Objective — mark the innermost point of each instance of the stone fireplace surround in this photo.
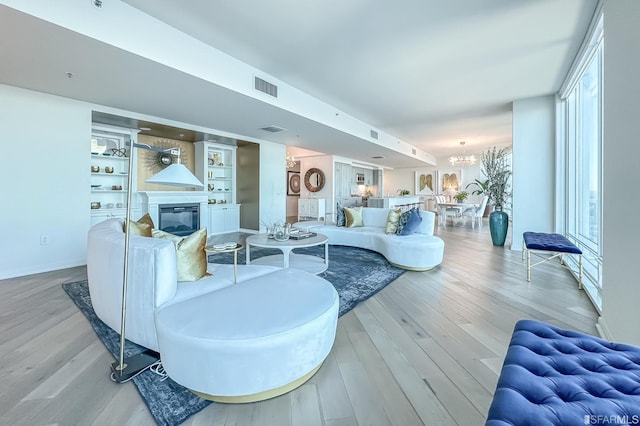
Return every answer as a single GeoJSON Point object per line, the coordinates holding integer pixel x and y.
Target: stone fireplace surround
{"type": "Point", "coordinates": [151, 200]}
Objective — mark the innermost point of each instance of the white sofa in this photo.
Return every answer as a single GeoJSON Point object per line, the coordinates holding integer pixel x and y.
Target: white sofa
{"type": "Point", "coordinates": [225, 341]}
{"type": "Point", "coordinates": [417, 252]}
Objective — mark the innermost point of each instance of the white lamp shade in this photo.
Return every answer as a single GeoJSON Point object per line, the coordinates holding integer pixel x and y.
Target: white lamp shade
{"type": "Point", "coordinates": [176, 175]}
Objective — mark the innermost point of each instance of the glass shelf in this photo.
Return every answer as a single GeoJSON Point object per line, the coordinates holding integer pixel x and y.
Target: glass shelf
{"type": "Point", "coordinates": [108, 157]}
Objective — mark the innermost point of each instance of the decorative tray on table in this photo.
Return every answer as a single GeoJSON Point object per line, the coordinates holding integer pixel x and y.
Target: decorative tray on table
{"type": "Point", "coordinates": [300, 235]}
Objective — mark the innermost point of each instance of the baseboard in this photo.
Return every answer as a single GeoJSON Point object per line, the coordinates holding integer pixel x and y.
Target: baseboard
{"type": "Point", "coordinates": [249, 231]}
{"type": "Point", "coordinates": [38, 269]}
{"type": "Point", "coordinates": [603, 329]}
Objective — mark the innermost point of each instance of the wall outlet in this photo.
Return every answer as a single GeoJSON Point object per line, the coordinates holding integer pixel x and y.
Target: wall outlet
{"type": "Point", "coordinates": [44, 240]}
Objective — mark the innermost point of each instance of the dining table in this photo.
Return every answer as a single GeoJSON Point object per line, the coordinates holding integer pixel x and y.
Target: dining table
{"type": "Point", "coordinates": [461, 207]}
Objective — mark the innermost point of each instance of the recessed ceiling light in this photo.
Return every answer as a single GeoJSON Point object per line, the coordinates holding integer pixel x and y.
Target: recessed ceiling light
{"type": "Point", "coordinates": [69, 75]}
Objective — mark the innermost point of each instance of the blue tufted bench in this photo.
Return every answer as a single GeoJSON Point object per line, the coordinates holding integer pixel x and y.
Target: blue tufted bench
{"type": "Point", "coordinates": [552, 376]}
{"type": "Point", "coordinates": [555, 244]}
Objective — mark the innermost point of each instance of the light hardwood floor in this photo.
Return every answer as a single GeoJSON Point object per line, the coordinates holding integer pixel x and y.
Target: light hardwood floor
{"type": "Point", "coordinates": [425, 350]}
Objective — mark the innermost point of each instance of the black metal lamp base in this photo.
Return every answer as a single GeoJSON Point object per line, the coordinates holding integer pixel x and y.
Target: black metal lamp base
{"type": "Point", "coordinates": [133, 366]}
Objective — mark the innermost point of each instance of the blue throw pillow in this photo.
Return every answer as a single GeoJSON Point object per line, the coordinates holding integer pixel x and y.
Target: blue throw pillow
{"type": "Point", "coordinates": [412, 223]}
{"type": "Point", "coordinates": [340, 218]}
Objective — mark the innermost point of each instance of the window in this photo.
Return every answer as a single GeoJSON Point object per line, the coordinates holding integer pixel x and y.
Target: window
{"type": "Point", "coordinates": [581, 141]}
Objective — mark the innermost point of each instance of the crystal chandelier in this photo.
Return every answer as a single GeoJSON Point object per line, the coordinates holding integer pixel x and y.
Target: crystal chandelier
{"type": "Point", "coordinates": [291, 161]}
{"type": "Point", "coordinates": [462, 160]}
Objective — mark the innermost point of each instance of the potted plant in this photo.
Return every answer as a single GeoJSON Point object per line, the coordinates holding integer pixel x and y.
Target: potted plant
{"type": "Point", "coordinates": [498, 173]}
{"type": "Point", "coordinates": [461, 196]}
{"type": "Point", "coordinates": [483, 187]}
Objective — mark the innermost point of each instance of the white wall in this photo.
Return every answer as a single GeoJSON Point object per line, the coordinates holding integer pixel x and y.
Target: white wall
{"type": "Point", "coordinates": [533, 167]}
{"type": "Point", "coordinates": [45, 181]}
{"type": "Point", "coordinates": [620, 232]}
{"type": "Point", "coordinates": [404, 178]}
{"type": "Point", "coordinates": [324, 163]}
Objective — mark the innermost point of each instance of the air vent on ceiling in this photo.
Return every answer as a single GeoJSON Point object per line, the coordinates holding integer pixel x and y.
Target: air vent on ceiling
{"type": "Point", "coordinates": [374, 134]}
{"type": "Point", "coordinates": [413, 151]}
{"type": "Point", "coordinates": [378, 157]}
{"type": "Point", "coordinates": [273, 129]}
{"type": "Point", "coordinates": [265, 87]}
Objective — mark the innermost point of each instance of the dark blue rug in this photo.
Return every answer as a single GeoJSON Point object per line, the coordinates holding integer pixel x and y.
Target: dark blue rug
{"type": "Point", "coordinates": [357, 274]}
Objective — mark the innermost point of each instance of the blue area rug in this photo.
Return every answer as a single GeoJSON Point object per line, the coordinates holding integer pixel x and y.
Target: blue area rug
{"type": "Point", "coordinates": [356, 274]}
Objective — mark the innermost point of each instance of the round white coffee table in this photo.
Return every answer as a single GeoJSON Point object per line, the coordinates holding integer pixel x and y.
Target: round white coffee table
{"type": "Point", "coordinates": [304, 262]}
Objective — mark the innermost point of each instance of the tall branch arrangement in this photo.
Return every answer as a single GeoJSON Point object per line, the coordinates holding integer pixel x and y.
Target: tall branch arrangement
{"type": "Point", "coordinates": [496, 169]}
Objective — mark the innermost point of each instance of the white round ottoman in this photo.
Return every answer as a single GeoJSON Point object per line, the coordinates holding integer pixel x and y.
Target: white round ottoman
{"type": "Point", "coordinates": [251, 341]}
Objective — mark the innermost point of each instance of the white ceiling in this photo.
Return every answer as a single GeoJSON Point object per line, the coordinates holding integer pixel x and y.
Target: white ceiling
{"type": "Point", "coordinates": [429, 72]}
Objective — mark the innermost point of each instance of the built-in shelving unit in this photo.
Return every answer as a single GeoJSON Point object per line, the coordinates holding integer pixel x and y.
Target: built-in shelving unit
{"type": "Point", "coordinates": [216, 169]}
{"type": "Point", "coordinates": [109, 168]}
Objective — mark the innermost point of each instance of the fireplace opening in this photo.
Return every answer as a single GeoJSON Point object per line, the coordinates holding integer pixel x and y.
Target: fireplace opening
{"type": "Point", "coordinates": [179, 219]}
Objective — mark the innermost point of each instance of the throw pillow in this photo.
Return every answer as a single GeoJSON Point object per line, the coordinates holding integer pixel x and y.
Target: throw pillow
{"type": "Point", "coordinates": [392, 221]}
{"type": "Point", "coordinates": [142, 226]}
{"type": "Point", "coordinates": [353, 217]}
{"type": "Point", "coordinates": [147, 219]}
{"type": "Point", "coordinates": [340, 219]}
{"type": "Point", "coordinates": [190, 255]}
{"type": "Point", "coordinates": [413, 221]}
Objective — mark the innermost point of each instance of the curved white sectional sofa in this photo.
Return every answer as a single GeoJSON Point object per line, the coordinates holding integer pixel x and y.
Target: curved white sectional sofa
{"type": "Point", "coordinates": [227, 342]}
{"type": "Point", "coordinates": [417, 252]}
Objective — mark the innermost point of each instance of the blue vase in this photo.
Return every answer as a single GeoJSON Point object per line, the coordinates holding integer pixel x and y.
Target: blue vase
{"type": "Point", "coordinates": [498, 225]}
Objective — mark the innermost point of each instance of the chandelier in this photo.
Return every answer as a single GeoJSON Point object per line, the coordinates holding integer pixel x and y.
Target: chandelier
{"type": "Point", "coordinates": [462, 160]}
{"type": "Point", "coordinates": [291, 161]}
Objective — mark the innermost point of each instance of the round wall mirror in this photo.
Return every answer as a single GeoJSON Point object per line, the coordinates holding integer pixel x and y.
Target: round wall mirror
{"type": "Point", "coordinates": [314, 180]}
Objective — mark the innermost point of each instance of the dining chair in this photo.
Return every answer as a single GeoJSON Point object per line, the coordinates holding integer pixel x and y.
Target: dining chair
{"type": "Point", "coordinates": [453, 213]}
{"type": "Point", "coordinates": [439, 199]}
{"type": "Point", "coordinates": [476, 213]}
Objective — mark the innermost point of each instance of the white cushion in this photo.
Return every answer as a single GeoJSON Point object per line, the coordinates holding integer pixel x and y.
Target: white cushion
{"type": "Point", "coordinates": [251, 337]}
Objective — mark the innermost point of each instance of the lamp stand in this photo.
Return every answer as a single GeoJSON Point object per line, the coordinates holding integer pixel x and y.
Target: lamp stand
{"type": "Point", "coordinates": [125, 369]}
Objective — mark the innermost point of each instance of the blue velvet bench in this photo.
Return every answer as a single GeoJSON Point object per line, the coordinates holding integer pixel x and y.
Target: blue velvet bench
{"type": "Point", "coordinates": [555, 245]}
{"type": "Point", "coordinates": [552, 376]}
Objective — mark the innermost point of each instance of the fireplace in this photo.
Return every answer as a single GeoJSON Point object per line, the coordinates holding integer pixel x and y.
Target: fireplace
{"type": "Point", "coordinates": [179, 219]}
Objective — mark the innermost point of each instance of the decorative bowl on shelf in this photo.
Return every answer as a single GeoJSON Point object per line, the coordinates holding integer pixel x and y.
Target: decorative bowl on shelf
{"type": "Point", "coordinates": [219, 189]}
{"type": "Point", "coordinates": [226, 189]}
{"type": "Point", "coordinates": [95, 186]}
{"type": "Point", "coordinates": [108, 169]}
{"type": "Point", "coordinates": [95, 205]}
{"type": "Point", "coordinates": [95, 169]}
{"type": "Point", "coordinates": [116, 187]}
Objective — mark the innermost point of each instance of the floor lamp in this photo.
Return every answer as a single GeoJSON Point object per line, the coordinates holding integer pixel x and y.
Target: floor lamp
{"type": "Point", "coordinates": [176, 174]}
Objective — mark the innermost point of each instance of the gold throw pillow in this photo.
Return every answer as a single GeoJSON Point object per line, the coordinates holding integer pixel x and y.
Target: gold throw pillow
{"type": "Point", "coordinates": [353, 216]}
{"type": "Point", "coordinates": [147, 219]}
{"type": "Point", "coordinates": [190, 255]}
{"type": "Point", "coordinates": [142, 226]}
{"type": "Point", "coordinates": [392, 221]}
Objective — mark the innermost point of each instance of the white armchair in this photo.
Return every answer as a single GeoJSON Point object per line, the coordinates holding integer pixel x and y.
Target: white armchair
{"type": "Point", "coordinates": [476, 213]}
